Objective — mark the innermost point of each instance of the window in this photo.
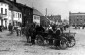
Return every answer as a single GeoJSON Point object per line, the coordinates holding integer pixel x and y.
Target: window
{"type": "Point", "coordinates": [81, 19]}
{"type": "Point", "coordinates": [6, 11]}
{"type": "Point", "coordinates": [80, 16]}
{"type": "Point", "coordinates": [77, 19]}
{"type": "Point", "coordinates": [5, 4]}
{"type": "Point", "coordinates": [1, 10]}
{"type": "Point", "coordinates": [20, 15]}
{"type": "Point", "coordinates": [1, 4]}
{"type": "Point", "coordinates": [16, 15]}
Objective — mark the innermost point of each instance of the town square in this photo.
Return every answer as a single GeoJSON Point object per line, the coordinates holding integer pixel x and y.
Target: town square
{"type": "Point", "coordinates": [42, 27]}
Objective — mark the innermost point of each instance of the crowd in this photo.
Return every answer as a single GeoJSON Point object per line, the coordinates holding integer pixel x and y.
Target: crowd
{"type": "Point", "coordinates": [31, 30]}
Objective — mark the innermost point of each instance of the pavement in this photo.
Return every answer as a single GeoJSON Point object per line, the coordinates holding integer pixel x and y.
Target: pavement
{"type": "Point", "coordinates": [16, 45]}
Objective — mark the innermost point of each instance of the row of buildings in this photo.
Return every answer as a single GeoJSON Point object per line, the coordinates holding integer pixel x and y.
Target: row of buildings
{"type": "Point", "coordinates": [17, 13]}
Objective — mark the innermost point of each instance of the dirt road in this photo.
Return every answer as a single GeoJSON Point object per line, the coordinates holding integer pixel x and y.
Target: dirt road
{"type": "Point", "coordinates": [15, 45]}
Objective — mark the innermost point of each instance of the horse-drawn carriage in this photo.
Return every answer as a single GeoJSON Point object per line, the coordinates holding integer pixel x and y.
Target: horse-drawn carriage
{"type": "Point", "coordinates": [62, 41]}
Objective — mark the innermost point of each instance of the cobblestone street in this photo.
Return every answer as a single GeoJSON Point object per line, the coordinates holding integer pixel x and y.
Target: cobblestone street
{"type": "Point", "coordinates": [15, 45]}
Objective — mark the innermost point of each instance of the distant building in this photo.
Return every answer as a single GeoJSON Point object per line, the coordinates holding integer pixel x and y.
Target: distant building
{"type": "Point", "coordinates": [54, 19]}
{"type": "Point", "coordinates": [37, 16]}
{"type": "Point", "coordinates": [76, 18]}
{"type": "Point", "coordinates": [44, 21]}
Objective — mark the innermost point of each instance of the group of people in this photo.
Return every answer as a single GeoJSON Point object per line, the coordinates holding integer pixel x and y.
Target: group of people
{"type": "Point", "coordinates": [32, 30]}
{"type": "Point", "coordinates": [12, 28]}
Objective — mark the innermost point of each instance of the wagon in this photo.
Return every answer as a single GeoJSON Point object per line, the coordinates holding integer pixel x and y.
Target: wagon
{"type": "Point", "coordinates": [45, 37]}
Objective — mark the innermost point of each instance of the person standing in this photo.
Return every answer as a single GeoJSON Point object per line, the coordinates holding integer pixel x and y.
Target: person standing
{"type": "Point", "coordinates": [10, 27]}
{"type": "Point", "coordinates": [1, 28]}
{"type": "Point", "coordinates": [32, 33]}
{"type": "Point", "coordinates": [27, 34]}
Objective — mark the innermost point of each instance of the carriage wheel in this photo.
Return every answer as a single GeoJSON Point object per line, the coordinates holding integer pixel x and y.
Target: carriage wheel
{"type": "Point", "coordinates": [63, 43]}
{"type": "Point", "coordinates": [39, 40]}
{"type": "Point", "coordinates": [71, 42]}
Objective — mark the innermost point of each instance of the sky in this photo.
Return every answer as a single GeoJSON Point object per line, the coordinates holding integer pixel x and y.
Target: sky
{"type": "Point", "coordinates": [56, 7]}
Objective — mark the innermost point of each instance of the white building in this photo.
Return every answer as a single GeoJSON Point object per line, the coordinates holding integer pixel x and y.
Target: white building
{"type": "Point", "coordinates": [4, 13]}
{"type": "Point", "coordinates": [36, 19]}
{"type": "Point", "coordinates": [36, 16]}
{"type": "Point", "coordinates": [16, 16]}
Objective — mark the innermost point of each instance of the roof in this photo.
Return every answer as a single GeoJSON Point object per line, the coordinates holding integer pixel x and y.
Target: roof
{"type": "Point", "coordinates": [36, 12]}
{"type": "Point", "coordinates": [79, 13]}
{"type": "Point", "coordinates": [15, 6]}
{"type": "Point", "coordinates": [19, 5]}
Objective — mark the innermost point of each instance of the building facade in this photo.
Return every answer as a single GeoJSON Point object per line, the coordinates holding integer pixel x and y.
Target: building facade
{"type": "Point", "coordinates": [37, 16]}
{"type": "Point", "coordinates": [76, 18]}
{"type": "Point", "coordinates": [15, 15]}
{"type": "Point", "coordinates": [27, 13]}
{"type": "Point", "coordinates": [4, 13]}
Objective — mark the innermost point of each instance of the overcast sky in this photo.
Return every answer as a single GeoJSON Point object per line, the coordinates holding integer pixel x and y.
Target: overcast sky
{"type": "Point", "coordinates": [56, 7]}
